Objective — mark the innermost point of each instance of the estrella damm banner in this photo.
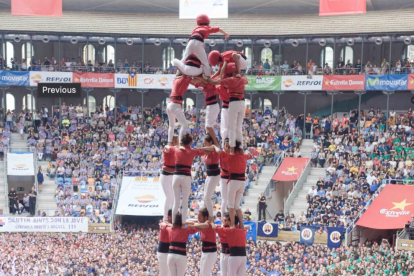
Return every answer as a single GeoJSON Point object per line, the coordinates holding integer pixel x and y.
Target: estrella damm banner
{"type": "Point", "coordinates": [263, 83]}
{"type": "Point", "coordinates": [386, 82]}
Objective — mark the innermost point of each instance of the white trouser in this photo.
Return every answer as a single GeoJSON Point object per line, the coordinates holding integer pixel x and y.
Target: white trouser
{"type": "Point", "coordinates": [197, 48]}
{"type": "Point", "coordinates": [212, 112]}
{"type": "Point", "coordinates": [175, 111]}
{"type": "Point", "coordinates": [224, 125]}
{"type": "Point", "coordinates": [242, 62]}
{"type": "Point", "coordinates": [224, 197]}
{"type": "Point", "coordinates": [224, 263]}
{"type": "Point", "coordinates": [235, 190]}
{"type": "Point", "coordinates": [209, 188]}
{"type": "Point", "coordinates": [237, 266]}
{"type": "Point", "coordinates": [186, 69]}
{"type": "Point", "coordinates": [162, 264]}
{"type": "Point", "coordinates": [237, 112]}
{"type": "Point", "coordinates": [181, 186]}
{"type": "Point", "coordinates": [166, 184]}
{"type": "Point", "coordinates": [208, 259]}
{"type": "Point", "coordinates": [177, 264]}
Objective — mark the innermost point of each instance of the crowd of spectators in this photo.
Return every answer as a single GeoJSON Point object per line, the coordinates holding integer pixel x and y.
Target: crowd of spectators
{"type": "Point", "coordinates": [131, 250]}
{"type": "Point", "coordinates": [359, 161]}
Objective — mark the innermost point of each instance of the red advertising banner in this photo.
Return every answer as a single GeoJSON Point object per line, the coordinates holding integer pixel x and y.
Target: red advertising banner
{"type": "Point", "coordinates": [339, 82]}
{"type": "Point", "coordinates": [94, 79]}
{"type": "Point", "coordinates": [290, 169]}
{"type": "Point", "coordinates": [410, 82]}
{"type": "Point", "coordinates": [50, 8]}
{"type": "Point", "coordinates": [392, 209]}
{"type": "Point", "coordinates": [340, 7]}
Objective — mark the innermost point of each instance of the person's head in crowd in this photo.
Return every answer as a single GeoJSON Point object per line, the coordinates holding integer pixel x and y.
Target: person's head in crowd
{"type": "Point", "coordinates": [186, 140]}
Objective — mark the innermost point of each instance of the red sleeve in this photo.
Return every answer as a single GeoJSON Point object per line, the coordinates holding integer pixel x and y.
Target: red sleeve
{"type": "Point", "coordinates": [213, 30]}
{"type": "Point", "coordinates": [225, 154]}
{"type": "Point", "coordinates": [245, 80]}
{"type": "Point", "coordinates": [198, 152]}
{"type": "Point", "coordinates": [191, 230]}
{"type": "Point", "coordinates": [220, 230]}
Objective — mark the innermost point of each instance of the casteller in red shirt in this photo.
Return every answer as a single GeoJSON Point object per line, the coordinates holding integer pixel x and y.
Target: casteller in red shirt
{"type": "Point", "coordinates": [235, 86]}
{"type": "Point", "coordinates": [202, 32]}
{"type": "Point", "coordinates": [236, 239]}
{"type": "Point", "coordinates": [179, 87]}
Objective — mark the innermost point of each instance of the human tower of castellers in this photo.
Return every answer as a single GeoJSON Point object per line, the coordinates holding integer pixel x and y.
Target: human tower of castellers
{"type": "Point", "coordinates": [229, 85]}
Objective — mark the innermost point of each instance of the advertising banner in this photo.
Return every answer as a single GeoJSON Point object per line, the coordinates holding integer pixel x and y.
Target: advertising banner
{"type": "Point", "coordinates": [290, 169]}
{"type": "Point", "coordinates": [300, 83]}
{"type": "Point", "coordinates": [14, 78]}
{"type": "Point", "coordinates": [341, 7]}
{"type": "Point", "coordinates": [126, 80]}
{"type": "Point", "coordinates": [343, 82]}
{"type": "Point", "coordinates": [50, 77]}
{"type": "Point", "coordinates": [48, 8]}
{"type": "Point", "coordinates": [155, 81]}
{"type": "Point", "coordinates": [20, 164]}
{"type": "Point", "coordinates": [307, 234]}
{"type": "Point", "coordinates": [190, 9]}
{"type": "Point", "coordinates": [94, 79]}
{"type": "Point", "coordinates": [267, 230]}
{"type": "Point", "coordinates": [263, 83]}
{"type": "Point", "coordinates": [43, 224]}
{"type": "Point", "coordinates": [386, 82]}
{"type": "Point", "coordinates": [392, 209]}
{"type": "Point", "coordinates": [335, 235]}
{"type": "Point", "coordinates": [141, 196]}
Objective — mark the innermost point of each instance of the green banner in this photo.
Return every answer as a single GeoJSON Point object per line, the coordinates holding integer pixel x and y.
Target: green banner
{"type": "Point", "coordinates": [263, 83]}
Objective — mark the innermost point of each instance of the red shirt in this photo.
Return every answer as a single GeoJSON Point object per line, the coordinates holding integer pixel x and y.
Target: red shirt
{"type": "Point", "coordinates": [164, 234]}
{"type": "Point", "coordinates": [184, 159]}
{"type": "Point", "coordinates": [235, 86]}
{"type": "Point", "coordinates": [202, 32]}
{"type": "Point", "coordinates": [212, 161]}
{"type": "Point", "coordinates": [223, 95]}
{"type": "Point", "coordinates": [222, 235]}
{"type": "Point", "coordinates": [208, 235]}
{"type": "Point", "coordinates": [179, 234]}
{"type": "Point", "coordinates": [179, 87]}
{"type": "Point", "coordinates": [236, 237]}
{"type": "Point", "coordinates": [210, 93]}
{"type": "Point", "coordinates": [169, 161]}
{"type": "Point", "coordinates": [224, 165]}
{"type": "Point", "coordinates": [228, 56]}
{"type": "Point", "coordinates": [237, 165]}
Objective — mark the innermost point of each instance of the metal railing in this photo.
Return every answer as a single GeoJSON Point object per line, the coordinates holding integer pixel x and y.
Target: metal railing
{"type": "Point", "coordinates": [297, 186]}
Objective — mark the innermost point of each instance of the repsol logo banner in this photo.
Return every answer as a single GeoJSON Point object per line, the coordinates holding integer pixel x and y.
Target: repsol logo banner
{"type": "Point", "coordinates": [50, 77]}
{"type": "Point", "coordinates": [59, 90]}
{"type": "Point", "coordinates": [300, 83]}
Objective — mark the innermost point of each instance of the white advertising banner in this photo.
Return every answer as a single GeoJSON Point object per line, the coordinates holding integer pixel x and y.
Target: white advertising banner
{"type": "Point", "coordinates": [50, 77]}
{"type": "Point", "coordinates": [141, 196]}
{"type": "Point", "coordinates": [190, 9]}
{"type": "Point", "coordinates": [20, 164]}
{"type": "Point", "coordinates": [43, 224]}
{"type": "Point", "coordinates": [298, 83]}
{"type": "Point", "coordinates": [145, 81]}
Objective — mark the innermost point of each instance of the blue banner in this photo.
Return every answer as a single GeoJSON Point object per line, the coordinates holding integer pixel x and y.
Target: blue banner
{"type": "Point", "coordinates": [267, 230]}
{"type": "Point", "coordinates": [335, 235]}
{"type": "Point", "coordinates": [14, 78]}
{"type": "Point", "coordinates": [307, 234]}
{"type": "Point", "coordinates": [386, 82]}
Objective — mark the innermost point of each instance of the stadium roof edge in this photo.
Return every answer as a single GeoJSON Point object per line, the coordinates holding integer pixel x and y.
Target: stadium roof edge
{"type": "Point", "coordinates": [133, 24]}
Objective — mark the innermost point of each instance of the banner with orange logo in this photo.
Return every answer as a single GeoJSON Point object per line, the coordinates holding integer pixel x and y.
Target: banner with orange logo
{"type": "Point", "coordinates": [410, 82]}
{"type": "Point", "coordinates": [344, 82]}
{"type": "Point", "coordinates": [141, 196]}
{"type": "Point", "coordinates": [20, 164]}
{"type": "Point", "coordinates": [105, 80]}
{"type": "Point", "coordinates": [290, 169]}
{"type": "Point", "coordinates": [300, 83]}
{"type": "Point", "coordinates": [50, 77]}
{"type": "Point", "coordinates": [392, 209]}
{"type": "Point", "coordinates": [155, 81]}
